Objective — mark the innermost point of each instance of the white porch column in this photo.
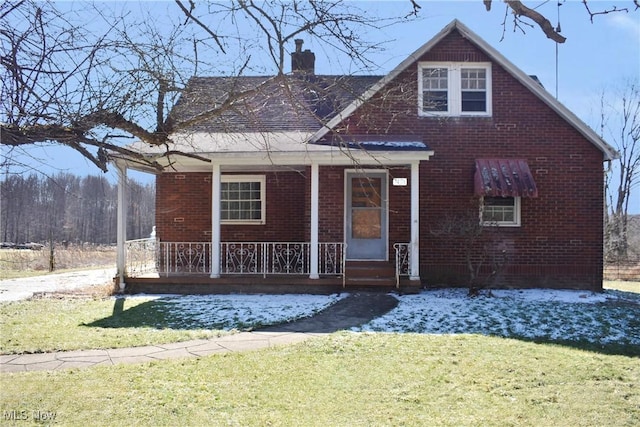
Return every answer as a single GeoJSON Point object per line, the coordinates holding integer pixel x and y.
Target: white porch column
{"type": "Point", "coordinates": [314, 221]}
{"type": "Point", "coordinates": [414, 247]}
{"type": "Point", "coordinates": [121, 229]}
{"type": "Point", "coordinates": [215, 221]}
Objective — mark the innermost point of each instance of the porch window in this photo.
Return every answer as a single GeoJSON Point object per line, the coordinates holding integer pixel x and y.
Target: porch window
{"type": "Point", "coordinates": [454, 89]}
{"type": "Point", "coordinates": [500, 211]}
{"type": "Point", "coordinates": [242, 199]}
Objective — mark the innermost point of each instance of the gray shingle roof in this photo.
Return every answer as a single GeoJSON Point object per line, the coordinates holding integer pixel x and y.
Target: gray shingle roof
{"type": "Point", "coordinates": [265, 104]}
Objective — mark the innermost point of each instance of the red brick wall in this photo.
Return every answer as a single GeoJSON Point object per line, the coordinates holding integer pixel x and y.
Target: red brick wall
{"type": "Point", "coordinates": [558, 245]}
{"type": "Point", "coordinates": [331, 201]}
{"type": "Point", "coordinates": [183, 206]}
{"type": "Point", "coordinates": [560, 240]}
{"type": "Point", "coordinates": [183, 209]}
{"type": "Point", "coordinates": [399, 209]}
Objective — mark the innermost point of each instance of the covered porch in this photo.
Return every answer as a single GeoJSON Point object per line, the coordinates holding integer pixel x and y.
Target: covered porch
{"type": "Point", "coordinates": [350, 237]}
{"type": "Point", "coordinates": [153, 265]}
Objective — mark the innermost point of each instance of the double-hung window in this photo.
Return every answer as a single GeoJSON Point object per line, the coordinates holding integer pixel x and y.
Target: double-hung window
{"type": "Point", "coordinates": [242, 199]}
{"type": "Point", "coordinates": [500, 211]}
{"type": "Point", "coordinates": [454, 89]}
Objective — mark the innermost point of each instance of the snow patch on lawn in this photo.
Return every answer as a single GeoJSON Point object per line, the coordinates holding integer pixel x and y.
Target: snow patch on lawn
{"type": "Point", "coordinates": [241, 311]}
{"type": "Point", "coordinates": [535, 314]}
{"type": "Point", "coordinates": [557, 315]}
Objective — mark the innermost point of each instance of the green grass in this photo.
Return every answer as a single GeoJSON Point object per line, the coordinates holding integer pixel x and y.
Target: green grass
{"type": "Point", "coordinates": [341, 379]}
{"type": "Point", "coordinates": [43, 325]}
{"type": "Point", "coordinates": [57, 324]}
{"type": "Point", "coordinates": [348, 379]}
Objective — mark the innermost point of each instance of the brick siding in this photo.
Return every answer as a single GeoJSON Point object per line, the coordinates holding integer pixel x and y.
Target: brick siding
{"type": "Point", "coordinates": [183, 209]}
{"type": "Point", "coordinates": [559, 242]}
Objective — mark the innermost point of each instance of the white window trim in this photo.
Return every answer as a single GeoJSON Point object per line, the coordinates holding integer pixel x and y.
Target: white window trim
{"type": "Point", "coordinates": [454, 89]}
{"type": "Point", "coordinates": [263, 198]}
{"type": "Point", "coordinates": [517, 222]}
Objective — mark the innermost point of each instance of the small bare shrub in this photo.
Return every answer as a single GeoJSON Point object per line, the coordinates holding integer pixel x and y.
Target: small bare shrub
{"type": "Point", "coordinates": [486, 252]}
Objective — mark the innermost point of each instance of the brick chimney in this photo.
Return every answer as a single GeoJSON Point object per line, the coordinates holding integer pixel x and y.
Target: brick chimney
{"type": "Point", "coordinates": [302, 62]}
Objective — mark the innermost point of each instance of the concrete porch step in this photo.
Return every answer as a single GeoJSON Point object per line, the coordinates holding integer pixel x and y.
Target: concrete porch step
{"type": "Point", "coordinates": [365, 282]}
{"type": "Point", "coordinates": [370, 270]}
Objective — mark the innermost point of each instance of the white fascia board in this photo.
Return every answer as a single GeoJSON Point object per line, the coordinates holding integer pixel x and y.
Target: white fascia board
{"type": "Point", "coordinates": [129, 163]}
{"type": "Point", "coordinates": [335, 157]}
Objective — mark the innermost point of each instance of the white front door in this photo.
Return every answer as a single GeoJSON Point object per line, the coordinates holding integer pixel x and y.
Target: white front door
{"type": "Point", "coordinates": [366, 215]}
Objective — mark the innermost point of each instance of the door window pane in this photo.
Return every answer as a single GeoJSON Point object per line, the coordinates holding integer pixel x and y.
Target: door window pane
{"type": "Point", "coordinates": [366, 224]}
{"type": "Point", "coordinates": [366, 192]}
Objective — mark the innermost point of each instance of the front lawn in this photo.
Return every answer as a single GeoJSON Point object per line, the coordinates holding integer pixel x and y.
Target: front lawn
{"type": "Point", "coordinates": [608, 321]}
{"type": "Point", "coordinates": [518, 358]}
{"type": "Point", "coordinates": [347, 379]}
{"type": "Point", "coordinates": [43, 325]}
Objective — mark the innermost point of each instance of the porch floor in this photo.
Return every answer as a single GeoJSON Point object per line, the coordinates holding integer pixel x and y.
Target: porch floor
{"type": "Point", "coordinates": [273, 284]}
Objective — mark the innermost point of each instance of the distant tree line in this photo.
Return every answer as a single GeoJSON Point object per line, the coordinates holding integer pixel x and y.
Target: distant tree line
{"type": "Point", "coordinates": [66, 208]}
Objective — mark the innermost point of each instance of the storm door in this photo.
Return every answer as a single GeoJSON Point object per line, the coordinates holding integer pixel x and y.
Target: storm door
{"type": "Point", "coordinates": [366, 215]}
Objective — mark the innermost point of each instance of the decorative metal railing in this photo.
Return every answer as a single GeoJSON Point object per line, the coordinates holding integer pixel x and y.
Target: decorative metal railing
{"type": "Point", "coordinates": [184, 258]}
{"type": "Point", "coordinates": [259, 258]}
{"type": "Point", "coordinates": [403, 260]}
{"type": "Point", "coordinates": [332, 258]}
{"type": "Point", "coordinates": [267, 258]}
{"type": "Point", "coordinates": [141, 256]}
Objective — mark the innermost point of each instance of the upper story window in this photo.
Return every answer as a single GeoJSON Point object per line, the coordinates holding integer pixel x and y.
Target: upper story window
{"type": "Point", "coordinates": [454, 89]}
{"type": "Point", "coordinates": [242, 199]}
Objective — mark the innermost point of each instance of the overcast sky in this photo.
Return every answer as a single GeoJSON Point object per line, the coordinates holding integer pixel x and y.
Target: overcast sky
{"type": "Point", "coordinates": [599, 56]}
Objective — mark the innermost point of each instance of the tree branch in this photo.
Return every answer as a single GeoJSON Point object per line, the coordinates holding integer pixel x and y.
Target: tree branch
{"type": "Point", "coordinates": [520, 9]}
{"type": "Point", "coordinates": [189, 14]}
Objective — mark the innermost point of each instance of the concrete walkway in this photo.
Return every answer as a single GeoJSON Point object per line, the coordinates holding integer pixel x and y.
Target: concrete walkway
{"type": "Point", "coordinates": [354, 310]}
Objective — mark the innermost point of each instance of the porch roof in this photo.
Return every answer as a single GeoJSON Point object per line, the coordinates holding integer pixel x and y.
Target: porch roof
{"type": "Point", "coordinates": [197, 150]}
{"type": "Point", "coordinates": [376, 142]}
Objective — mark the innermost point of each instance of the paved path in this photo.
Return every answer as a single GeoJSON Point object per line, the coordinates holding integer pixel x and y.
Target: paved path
{"type": "Point", "coordinates": [354, 310]}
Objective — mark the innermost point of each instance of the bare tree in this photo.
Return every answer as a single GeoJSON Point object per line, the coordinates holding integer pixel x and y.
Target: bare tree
{"type": "Point", "coordinates": [92, 89]}
{"type": "Point", "coordinates": [68, 208]}
{"type": "Point", "coordinates": [95, 89]}
{"type": "Point", "coordinates": [620, 124]}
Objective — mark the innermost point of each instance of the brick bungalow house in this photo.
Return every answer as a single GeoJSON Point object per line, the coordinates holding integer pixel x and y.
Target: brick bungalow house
{"type": "Point", "coordinates": [454, 167]}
